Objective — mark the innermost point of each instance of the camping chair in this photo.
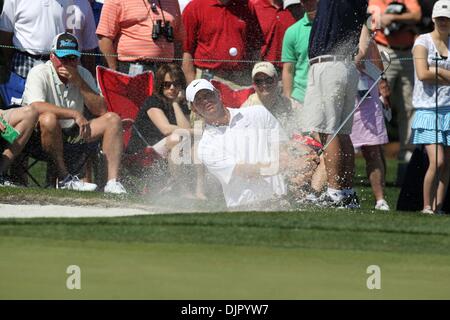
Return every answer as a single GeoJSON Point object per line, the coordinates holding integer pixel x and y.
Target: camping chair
{"type": "Point", "coordinates": [124, 95]}
{"type": "Point", "coordinates": [75, 157]}
{"type": "Point", "coordinates": [232, 98]}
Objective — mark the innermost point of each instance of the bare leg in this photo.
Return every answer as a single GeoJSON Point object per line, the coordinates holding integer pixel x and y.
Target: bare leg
{"type": "Point", "coordinates": [434, 197]}
{"type": "Point", "coordinates": [340, 163]}
{"type": "Point", "coordinates": [52, 142]}
{"type": "Point", "coordinates": [319, 178]}
{"type": "Point", "coordinates": [375, 169]}
{"type": "Point", "coordinates": [109, 128]}
{"type": "Point", "coordinates": [22, 119]}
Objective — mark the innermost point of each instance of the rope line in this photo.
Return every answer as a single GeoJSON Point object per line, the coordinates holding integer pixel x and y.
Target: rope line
{"type": "Point", "coordinates": [45, 52]}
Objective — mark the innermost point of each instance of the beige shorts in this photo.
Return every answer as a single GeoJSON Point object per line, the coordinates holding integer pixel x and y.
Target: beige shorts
{"type": "Point", "coordinates": [330, 97]}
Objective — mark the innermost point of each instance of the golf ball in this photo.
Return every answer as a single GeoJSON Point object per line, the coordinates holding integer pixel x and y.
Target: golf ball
{"type": "Point", "coordinates": [233, 52]}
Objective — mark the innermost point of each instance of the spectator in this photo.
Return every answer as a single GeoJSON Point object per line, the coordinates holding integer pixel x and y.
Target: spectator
{"type": "Point", "coordinates": [137, 36]}
{"type": "Point", "coordinates": [396, 37]}
{"type": "Point", "coordinates": [82, 25]}
{"type": "Point", "coordinates": [162, 115]}
{"type": "Point", "coordinates": [20, 27]}
{"type": "Point", "coordinates": [424, 128]}
{"type": "Point", "coordinates": [23, 120]}
{"type": "Point", "coordinates": [30, 27]}
{"type": "Point", "coordinates": [268, 93]}
{"type": "Point", "coordinates": [240, 148]}
{"type": "Point", "coordinates": [332, 86]}
{"type": "Point", "coordinates": [164, 112]}
{"type": "Point", "coordinates": [295, 55]}
{"type": "Point", "coordinates": [60, 90]}
{"type": "Point", "coordinates": [274, 17]}
{"type": "Point", "coordinates": [218, 31]}
{"type": "Point", "coordinates": [369, 131]}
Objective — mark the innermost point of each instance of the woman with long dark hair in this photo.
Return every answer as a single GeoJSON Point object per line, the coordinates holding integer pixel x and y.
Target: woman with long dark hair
{"type": "Point", "coordinates": [163, 113]}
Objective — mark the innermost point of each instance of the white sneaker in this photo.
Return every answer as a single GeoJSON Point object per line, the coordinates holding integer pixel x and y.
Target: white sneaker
{"type": "Point", "coordinates": [5, 182]}
{"type": "Point", "coordinates": [114, 186]}
{"type": "Point", "coordinates": [74, 183]}
{"type": "Point", "coordinates": [427, 211]}
{"type": "Point", "coordinates": [382, 205]}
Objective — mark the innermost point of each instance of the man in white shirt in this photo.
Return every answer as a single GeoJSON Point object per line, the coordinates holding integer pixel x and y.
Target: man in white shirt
{"type": "Point", "coordinates": [243, 148]}
{"type": "Point", "coordinates": [59, 90]}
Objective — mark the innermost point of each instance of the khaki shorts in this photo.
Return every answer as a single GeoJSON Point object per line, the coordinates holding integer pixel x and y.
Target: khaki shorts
{"type": "Point", "coordinates": [6, 114]}
{"type": "Point", "coordinates": [330, 97]}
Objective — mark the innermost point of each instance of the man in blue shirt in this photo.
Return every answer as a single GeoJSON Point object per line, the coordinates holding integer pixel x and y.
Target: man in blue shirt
{"type": "Point", "coordinates": [337, 44]}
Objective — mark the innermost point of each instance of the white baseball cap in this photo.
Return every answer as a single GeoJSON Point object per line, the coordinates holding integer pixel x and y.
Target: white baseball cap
{"type": "Point", "coordinates": [264, 67]}
{"type": "Point", "coordinates": [441, 9]}
{"type": "Point", "coordinates": [287, 3]}
{"type": "Point", "coordinates": [197, 85]}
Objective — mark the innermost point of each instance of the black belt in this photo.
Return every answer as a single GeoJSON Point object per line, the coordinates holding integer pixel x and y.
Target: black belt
{"type": "Point", "coordinates": [43, 57]}
{"type": "Point", "coordinates": [321, 59]}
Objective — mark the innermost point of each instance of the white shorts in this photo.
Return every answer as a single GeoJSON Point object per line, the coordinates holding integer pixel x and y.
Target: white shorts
{"type": "Point", "coordinates": [330, 97]}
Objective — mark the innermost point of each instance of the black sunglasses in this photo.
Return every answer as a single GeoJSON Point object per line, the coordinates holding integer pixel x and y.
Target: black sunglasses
{"type": "Point", "coordinates": [268, 80]}
{"type": "Point", "coordinates": [168, 84]}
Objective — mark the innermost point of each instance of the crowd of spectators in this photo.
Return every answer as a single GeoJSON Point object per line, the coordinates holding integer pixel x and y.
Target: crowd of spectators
{"type": "Point", "coordinates": [305, 60]}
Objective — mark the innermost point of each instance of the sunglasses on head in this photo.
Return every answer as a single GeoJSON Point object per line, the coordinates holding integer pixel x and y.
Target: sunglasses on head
{"type": "Point", "coordinates": [169, 84]}
{"type": "Point", "coordinates": [268, 80]}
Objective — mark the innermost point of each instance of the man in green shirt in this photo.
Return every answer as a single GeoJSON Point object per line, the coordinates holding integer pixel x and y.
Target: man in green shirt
{"type": "Point", "coordinates": [295, 55]}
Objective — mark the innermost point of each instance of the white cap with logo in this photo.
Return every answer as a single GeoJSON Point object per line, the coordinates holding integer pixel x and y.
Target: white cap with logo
{"type": "Point", "coordinates": [197, 85]}
{"type": "Point", "coordinates": [441, 9]}
{"type": "Point", "coordinates": [264, 67]}
{"type": "Point", "coordinates": [287, 3]}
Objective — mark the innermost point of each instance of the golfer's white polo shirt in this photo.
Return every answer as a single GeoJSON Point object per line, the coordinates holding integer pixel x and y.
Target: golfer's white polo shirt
{"type": "Point", "coordinates": [44, 85]}
{"type": "Point", "coordinates": [253, 136]}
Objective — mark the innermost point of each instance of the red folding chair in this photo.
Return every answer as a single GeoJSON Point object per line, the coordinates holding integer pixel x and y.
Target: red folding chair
{"type": "Point", "coordinates": [125, 95]}
{"type": "Point", "coordinates": [232, 98]}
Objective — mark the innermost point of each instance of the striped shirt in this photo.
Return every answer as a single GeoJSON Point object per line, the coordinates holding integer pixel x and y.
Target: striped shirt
{"type": "Point", "coordinates": [130, 23]}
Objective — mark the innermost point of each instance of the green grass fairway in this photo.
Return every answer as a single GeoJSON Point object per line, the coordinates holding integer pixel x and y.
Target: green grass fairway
{"type": "Point", "coordinates": [36, 269]}
{"type": "Point", "coordinates": [272, 255]}
{"type": "Point", "coordinates": [228, 256]}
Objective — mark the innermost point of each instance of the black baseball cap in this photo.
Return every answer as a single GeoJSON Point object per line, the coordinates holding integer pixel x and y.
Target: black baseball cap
{"type": "Point", "coordinates": [65, 44]}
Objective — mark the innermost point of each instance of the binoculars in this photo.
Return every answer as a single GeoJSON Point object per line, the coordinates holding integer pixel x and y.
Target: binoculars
{"type": "Point", "coordinates": [162, 29]}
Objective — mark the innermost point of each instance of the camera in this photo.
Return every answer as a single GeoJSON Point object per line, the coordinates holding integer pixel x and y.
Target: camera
{"type": "Point", "coordinates": [162, 29]}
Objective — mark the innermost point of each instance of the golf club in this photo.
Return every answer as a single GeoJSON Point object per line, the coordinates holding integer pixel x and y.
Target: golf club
{"type": "Point", "coordinates": [385, 58]}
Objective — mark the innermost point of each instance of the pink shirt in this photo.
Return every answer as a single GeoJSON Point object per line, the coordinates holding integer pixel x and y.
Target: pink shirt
{"type": "Point", "coordinates": [130, 23]}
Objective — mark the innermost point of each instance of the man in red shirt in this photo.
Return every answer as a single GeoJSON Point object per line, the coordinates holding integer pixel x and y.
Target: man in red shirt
{"type": "Point", "coordinates": [219, 34]}
{"type": "Point", "coordinates": [397, 38]}
{"type": "Point", "coordinates": [274, 17]}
